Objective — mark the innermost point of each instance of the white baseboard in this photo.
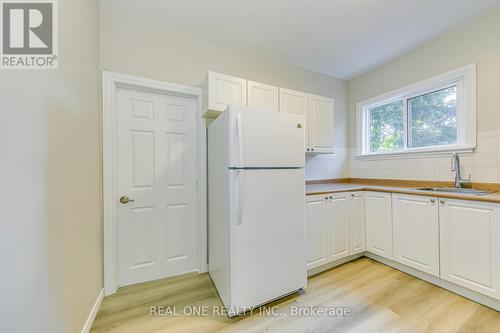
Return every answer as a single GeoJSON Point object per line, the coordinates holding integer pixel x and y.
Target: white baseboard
{"type": "Point", "coordinates": [467, 293]}
{"type": "Point", "coordinates": [332, 264]}
{"type": "Point", "coordinates": [90, 319]}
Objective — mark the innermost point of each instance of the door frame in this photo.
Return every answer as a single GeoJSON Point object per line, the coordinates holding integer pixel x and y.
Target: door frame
{"type": "Point", "coordinates": [111, 82]}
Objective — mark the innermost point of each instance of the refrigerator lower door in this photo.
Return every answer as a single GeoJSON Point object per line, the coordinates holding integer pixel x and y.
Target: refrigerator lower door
{"type": "Point", "coordinates": [267, 236]}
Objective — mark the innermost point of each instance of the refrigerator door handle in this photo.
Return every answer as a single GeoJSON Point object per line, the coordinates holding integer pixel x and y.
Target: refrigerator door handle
{"type": "Point", "coordinates": [241, 193]}
{"type": "Point", "coordinates": [239, 127]}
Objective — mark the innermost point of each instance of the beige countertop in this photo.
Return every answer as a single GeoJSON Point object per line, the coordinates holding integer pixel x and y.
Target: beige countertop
{"type": "Point", "coordinates": [329, 187]}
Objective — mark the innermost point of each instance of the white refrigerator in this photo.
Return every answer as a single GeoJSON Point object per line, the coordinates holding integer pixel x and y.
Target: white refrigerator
{"type": "Point", "coordinates": [256, 190]}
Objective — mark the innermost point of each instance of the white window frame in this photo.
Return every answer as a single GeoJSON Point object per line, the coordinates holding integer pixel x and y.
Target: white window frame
{"type": "Point", "coordinates": [465, 80]}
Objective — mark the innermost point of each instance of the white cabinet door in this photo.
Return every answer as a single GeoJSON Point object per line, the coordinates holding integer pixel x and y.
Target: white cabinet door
{"type": "Point", "coordinates": [379, 224]}
{"type": "Point", "coordinates": [321, 124]}
{"type": "Point", "coordinates": [416, 232]}
{"type": "Point", "coordinates": [470, 245]}
{"type": "Point", "coordinates": [358, 222]}
{"type": "Point", "coordinates": [262, 96]}
{"type": "Point", "coordinates": [297, 102]}
{"type": "Point", "coordinates": [338, 226]}
{"type": "Point", "coordinates": [316, 226]}
{"type": "Point", "coordinates": [224, 90]}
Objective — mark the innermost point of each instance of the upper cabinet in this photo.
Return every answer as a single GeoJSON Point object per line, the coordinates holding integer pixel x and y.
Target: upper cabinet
{"type": "Point", "coordinates": [262, 96]}
{"type": "Point", "coordinates": [296, 102]}
{"type": "Point", "coordinates": [320, 124]}
{"type": "Point", "coordinates": [224, 90]}
{"type": "Point", "coordinates": [319, 113]}
{"type": "Point", "coordinates": [292, 101]}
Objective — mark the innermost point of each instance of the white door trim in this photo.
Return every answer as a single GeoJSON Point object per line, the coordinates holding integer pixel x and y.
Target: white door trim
{"type": "Point", "coordinates": [110, 83]}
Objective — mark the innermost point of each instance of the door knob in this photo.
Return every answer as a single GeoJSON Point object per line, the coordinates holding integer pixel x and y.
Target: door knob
{"type": "Point", "coordinates": [124, 200]}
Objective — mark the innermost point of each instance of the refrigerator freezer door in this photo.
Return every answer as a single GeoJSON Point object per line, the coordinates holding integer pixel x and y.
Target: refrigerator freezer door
{"type": "Point", "coordinates": [268, 249]}
{"type": "Point", "coordinates": [265, 139]}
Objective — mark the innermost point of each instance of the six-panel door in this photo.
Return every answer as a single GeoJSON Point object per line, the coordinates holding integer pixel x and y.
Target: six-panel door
{"type": "Point", "coordinates": [470, 245]}
{"type": "Point", "coordinates": [416, 232]}
{"type": "Point", "coordinates": [379, 224]}
{"type": "Point", "coordinates": [316, 226]}
{"type": "Point", "coordinates": [157, 229]}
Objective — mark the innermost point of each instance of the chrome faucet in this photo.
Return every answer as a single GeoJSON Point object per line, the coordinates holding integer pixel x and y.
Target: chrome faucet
{"type": "Point", "coordinates": [455, 167]}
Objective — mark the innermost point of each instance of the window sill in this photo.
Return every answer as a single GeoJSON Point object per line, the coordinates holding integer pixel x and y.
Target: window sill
{"type": "Point", "coordinates": [410, 153]}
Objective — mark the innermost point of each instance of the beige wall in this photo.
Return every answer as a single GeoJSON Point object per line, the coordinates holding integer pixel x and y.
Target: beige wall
{"type": "Point", "coordinates": [478, 41]}
{"type": "Point", "coordinates": [50, 176]}
{"type": "Point", "coordinates": [132, 45]}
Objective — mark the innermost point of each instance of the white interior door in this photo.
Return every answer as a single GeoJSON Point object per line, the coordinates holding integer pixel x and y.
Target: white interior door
{"type": "Point", "coordinates": [157, 160]}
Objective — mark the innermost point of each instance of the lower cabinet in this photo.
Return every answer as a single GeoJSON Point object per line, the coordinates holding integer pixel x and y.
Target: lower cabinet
{"type": "Point", "coordinates": [379, 224]}
{"type": "Point", "coordinates": [358, 222]}
{"type": "Point", "coordinates": [415, 222]}
{"type": "Point", "coordinates": [455, 240]}
{"type": "Point", "coordinates": [470, 245]}
{"type": "Point", "coordinates": [335, 227]}
{"type": "Point", "coordinates": [338, 225]}
{"type": "Point", "coordinates": [316, 235]}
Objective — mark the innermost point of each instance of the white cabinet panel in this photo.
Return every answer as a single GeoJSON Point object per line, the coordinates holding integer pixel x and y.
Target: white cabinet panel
{"type": "Point", "coordinates": [470, 245]}
{"type": "Point", "coordinates": [416, 232]}
{"type": "Point", "coordinates": [358, 222]}
{"type": "Point", "coordinates": [338, 226]}
{"type": "Point", "coordinates": [379, 224]}
{"type": "Point", "coordinates": [316, 226]}
{"type": "Point", "coordinates": [321, 124]}
{"type": "Point", "coordinates": [262, 96]}
{"type": "Point", "coordinates": [224, 90]}
{"type": "Point", "coordinates": [292, 101]}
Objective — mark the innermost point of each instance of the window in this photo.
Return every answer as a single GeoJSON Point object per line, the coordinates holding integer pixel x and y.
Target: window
{"type": "Point", "coordinates": [435, 115]}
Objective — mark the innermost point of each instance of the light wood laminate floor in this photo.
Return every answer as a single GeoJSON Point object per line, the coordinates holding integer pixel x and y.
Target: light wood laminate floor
{"type": "Point", "coordinates": [380, 299]}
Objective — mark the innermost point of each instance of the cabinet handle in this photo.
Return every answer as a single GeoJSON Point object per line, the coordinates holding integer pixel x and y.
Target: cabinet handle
{"type": "Point", "coordinates": [331, 197]}
{"type": "Point", "coordinates": [433, 200]}
{"type": "Point", "coordinates": [307, 149]}
{"type": "Point", "coordinates": [442, 201]}
{"type": "Point", "coordinates": [312, 149]}
{"type": "Point", "coordinates": [352, 195]}
{"type": "Point", "coordinates": [326, 198]}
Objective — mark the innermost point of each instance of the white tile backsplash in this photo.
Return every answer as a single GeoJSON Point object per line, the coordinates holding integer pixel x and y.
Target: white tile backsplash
{"type": "Point", "coordinates": [328, 166]}
{"type": "Point", "coordinates": [483, 165]}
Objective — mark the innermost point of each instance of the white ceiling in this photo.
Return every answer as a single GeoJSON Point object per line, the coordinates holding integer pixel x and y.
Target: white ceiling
{"type": "Point", "coordinates": [342, 38]}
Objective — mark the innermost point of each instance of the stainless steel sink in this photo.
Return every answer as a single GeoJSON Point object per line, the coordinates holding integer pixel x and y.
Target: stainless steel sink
{"type": "Point", "coordinates": [469, 191]}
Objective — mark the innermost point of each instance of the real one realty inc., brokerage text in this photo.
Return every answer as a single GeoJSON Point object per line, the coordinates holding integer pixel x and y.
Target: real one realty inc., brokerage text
{"type": "Point", "coordinates": [292, 311]}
